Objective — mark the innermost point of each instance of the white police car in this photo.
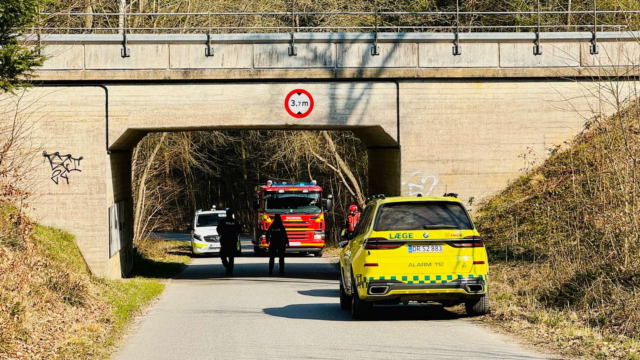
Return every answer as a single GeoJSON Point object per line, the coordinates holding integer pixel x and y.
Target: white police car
{"type": "Point", "coordinates": [204, 234]}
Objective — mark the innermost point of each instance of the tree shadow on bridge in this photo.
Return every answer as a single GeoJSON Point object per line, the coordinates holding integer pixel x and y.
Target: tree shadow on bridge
{"type": "Point", "coordinates": [333, 312]}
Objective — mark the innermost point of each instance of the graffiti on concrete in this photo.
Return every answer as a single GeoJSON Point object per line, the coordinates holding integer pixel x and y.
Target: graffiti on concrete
{"type": "Point", "coordinates": [62, 165]}
{"type": "Point", "coordinates": [421, 182]}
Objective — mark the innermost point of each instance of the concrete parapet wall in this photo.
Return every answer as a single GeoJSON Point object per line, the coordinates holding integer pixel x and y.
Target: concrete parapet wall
{"type": "Point", "coordinates": [266, 56]}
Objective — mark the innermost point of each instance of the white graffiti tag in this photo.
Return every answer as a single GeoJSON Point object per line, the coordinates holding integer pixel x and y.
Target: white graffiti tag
{"type": "Point", "coordinates": [421, 183]}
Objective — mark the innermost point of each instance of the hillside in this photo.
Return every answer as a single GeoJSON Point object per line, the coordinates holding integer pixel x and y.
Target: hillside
{"type": "Point", "coordinates": [51, 307]}
{"type": "Point", "coordinates": [565, 241]}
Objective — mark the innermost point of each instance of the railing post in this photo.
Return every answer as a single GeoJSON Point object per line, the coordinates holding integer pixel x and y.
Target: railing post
{"type": "Point", "coordinates": [537, 48]}
{"type": "Point", "coordinates": [208, 51]}
{"type": "Point", "coordinates": [125, 52]}
{"type": "Point", "coordinates": [594, 49]}
{"type": "Point", "coordinates": [293, 50]}
{"type": "Point", "coordinates": [375, 49]}
{"type": "Point", "coordinates": [456, 41]}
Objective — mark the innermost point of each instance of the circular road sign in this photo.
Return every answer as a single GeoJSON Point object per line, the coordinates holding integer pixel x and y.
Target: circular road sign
{"type": "Point", "coordinates": [299, 103]}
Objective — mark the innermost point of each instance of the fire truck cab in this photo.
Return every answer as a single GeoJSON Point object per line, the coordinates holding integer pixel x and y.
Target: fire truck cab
{"type": "Point", "coordinates": [302, 209]}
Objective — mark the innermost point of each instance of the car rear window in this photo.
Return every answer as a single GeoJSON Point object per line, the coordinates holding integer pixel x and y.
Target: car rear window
{"type": "Point", "coordinates": [422, 215]}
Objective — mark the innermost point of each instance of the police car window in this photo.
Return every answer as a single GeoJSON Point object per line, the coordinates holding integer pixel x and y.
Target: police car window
{"type": "Point", "coordinates": [204, 220]}
{"type": "Point", "coordinates": [423, 215]}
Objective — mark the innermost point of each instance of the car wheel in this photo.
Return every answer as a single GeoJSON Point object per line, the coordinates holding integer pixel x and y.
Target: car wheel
{"type": "Point", "coordinates": [477, 307]}
{"type": "Point", "coordinates": [359, 308]}
{"type": "Point", "coordinates": [345, 301]}
{"type": "Point", "coordinates": [318, 254]}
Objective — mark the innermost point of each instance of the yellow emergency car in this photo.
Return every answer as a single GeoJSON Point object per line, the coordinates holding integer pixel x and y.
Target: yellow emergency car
{"type": "Point", "coordinates": [413, 249]}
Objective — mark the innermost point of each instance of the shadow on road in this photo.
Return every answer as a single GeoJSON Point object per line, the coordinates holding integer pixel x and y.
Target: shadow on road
{"type": "Point", "coordinates": [310, 271]}
{"type": "Point", "coordinates": [332, 312]}
{"type": "Point", "coordinates": [334, 293]}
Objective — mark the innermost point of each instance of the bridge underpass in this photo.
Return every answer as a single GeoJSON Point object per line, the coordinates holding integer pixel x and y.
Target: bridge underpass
{"type": "Point", "coordinates": [433, 122]}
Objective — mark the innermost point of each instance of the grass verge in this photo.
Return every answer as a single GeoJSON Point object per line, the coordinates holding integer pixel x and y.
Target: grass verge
{"type": "Point", "coordinates": [52, 307]}
{"type": "Point", "coordinates": [564, 241]}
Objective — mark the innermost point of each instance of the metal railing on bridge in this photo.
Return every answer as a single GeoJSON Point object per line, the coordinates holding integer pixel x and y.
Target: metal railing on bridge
{"type": "Point", "coordinates": [344, 21]}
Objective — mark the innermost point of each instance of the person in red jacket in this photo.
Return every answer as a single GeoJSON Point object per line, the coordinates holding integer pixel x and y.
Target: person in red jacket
{"type": "Point", "coordinates": [352, 219]}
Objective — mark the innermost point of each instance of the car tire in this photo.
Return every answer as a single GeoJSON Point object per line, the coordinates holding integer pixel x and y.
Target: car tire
{"type": "Point", "coordinates": [359, 308]}
{"type": "Point", "coordinates": [319, 253]}
{"type": "Point", "coordinates": [345, 301]}
{"type": "Point", "coordinates": [477, 307]}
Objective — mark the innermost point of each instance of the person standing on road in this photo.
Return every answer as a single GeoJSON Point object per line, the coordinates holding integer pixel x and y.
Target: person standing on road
{"type": "Point", "coordinates": [352, 219]}
{"type": "Point", "coordinates": [229, 229]}
{"type": "Point", "coordinates": [278, 241]}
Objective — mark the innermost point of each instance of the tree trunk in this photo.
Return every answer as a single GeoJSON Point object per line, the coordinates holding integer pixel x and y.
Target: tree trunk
{"type": "Point", "coordinates": [345, 168]}
{"type": "Point", "coordinates": [88, 19]}
{"type": "Point", "coordinates": [121, 19]}
{"type": "Point", "coordinates": [142, 188]}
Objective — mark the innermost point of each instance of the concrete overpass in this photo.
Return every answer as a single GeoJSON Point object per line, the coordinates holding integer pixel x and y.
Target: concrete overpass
{"type": "Point", "coordinates": [433, 121]}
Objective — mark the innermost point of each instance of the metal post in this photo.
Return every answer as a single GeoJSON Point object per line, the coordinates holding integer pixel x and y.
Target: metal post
{"type": "Point", "coordinates": [375, 49]}
{"type": "Point", "coordinates": [293, 50]}
{"type": "Point", "coordinates": [208, 51]}
{"type": "Point", "coordinates": [456, 41]}
{"type": "Point", "coordinates": [537, 48]}
{"type": "Point", "coordinates": [125, 52]}
{"type": "Point", "coordinates": [594, 49]}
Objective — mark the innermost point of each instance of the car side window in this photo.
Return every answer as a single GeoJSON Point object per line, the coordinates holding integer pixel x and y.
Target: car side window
{"type": "Point", "coordinates": [365, 221]}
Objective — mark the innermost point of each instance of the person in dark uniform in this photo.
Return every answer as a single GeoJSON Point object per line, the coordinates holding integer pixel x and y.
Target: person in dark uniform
{"type": "Point", "coordinates": [228, 229]}
{"type": "Point", "coordinates": [278, 241]}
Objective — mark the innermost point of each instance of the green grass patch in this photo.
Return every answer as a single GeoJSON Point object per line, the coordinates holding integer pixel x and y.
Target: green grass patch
{"type": "Point", "coordinates": [158, 258]}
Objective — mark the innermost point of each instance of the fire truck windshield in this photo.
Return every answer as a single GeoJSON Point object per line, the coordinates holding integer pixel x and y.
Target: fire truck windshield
{"type": "Point", "coordinates": [293, 202]}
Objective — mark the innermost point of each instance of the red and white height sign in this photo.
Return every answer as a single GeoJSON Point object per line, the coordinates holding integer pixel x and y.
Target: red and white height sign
{"type": "Point", "coordinates": [299, 103]}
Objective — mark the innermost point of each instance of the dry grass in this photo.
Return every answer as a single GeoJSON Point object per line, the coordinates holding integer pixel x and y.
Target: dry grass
{"type": "Point", "coordinates": [51, 307]}
{"type": "Point", "coordinates": [565, 242]}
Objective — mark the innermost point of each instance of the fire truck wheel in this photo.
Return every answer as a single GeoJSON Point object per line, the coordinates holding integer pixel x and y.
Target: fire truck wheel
{"type": "Point", "coordinates": [319, 253]}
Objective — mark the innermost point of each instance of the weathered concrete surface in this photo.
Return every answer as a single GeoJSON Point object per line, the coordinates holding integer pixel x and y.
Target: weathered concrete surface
{"type": "Point", "coordinates": [335, 55]}
{"type": "Point", "coordinates": [465, 136]}
{"type": "Point", "coordinates": [276, 56]}
{"type": "Point", "coordinates": [391, 56]}
{"type": "Point", "coordinates": [226, 56]}
{"type": "Point", "coordinates": [473, 137]}
{"type": "Point", "coordinates": [143, 56]}
{"type": "Point", "coordinates": [135, 110]}
{"type": "Point", "coordinates": [475, 55]}
{"type": "Point", "coordinates": [555, 55]}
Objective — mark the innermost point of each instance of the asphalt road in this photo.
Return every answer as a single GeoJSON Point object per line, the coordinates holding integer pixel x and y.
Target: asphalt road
{"type": "Point", "coordinates": [205, 315]}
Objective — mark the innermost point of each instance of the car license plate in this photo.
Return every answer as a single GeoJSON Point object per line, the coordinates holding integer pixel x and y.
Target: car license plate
{"type": "Point", "coordinates": [425, 248]}
{"type": "Point", "coordinates": [294, 243]}
{"type": "Point", "coordinates": [213, 246]}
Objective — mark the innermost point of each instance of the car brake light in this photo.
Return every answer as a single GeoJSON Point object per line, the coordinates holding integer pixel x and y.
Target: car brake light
{"type": "Point", "coordinates": [469, 241]}
{"type": "Point", "coordinates": [381, 244]}
{"type": "Point", "coordinates": [371, 264]}
{"type": "Point", "coordinates": [478, 263]}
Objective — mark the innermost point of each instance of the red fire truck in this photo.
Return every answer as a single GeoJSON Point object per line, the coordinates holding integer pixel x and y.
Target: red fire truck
{"type": "Point", "coordinates": [302, 211]}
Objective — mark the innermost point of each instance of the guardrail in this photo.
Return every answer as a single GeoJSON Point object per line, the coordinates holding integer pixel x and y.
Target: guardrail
{"type": "Point", "coordinates": [345, 21]}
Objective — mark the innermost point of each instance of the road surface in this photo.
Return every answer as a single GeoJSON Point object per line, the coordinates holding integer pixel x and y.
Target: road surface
{"type": "Point", "coordinates": [205, 315]}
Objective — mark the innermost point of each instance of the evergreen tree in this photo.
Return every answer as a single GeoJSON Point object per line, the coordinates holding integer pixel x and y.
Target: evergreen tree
{"type": "Point", "coordinates": [17, 62]}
